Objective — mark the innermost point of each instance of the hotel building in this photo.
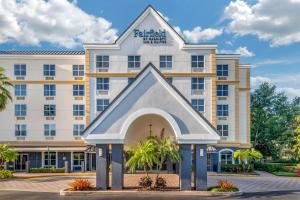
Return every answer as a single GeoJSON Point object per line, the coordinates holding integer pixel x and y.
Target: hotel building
{"type": "Point", "coordinates": [69, 104]}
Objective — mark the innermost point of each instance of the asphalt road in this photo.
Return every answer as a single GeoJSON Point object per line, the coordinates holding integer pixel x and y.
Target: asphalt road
{"type": "Point", "coordinates": [21, 195]}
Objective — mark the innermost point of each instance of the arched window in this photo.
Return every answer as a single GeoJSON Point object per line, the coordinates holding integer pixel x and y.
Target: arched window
{"type": "Point", "coordinates": [226, 157]}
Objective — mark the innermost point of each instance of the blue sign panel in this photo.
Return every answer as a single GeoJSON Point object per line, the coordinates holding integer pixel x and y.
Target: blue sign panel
{"type": "Point", "coordinates": [151, 36]}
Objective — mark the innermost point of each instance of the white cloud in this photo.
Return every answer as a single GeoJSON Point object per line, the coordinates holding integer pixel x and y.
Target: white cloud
{"type": "Point", "coordinates": [229, 43]}
{"type": "Point", "coordinates": [58, 22]}
{"type": "Point", "coordinates": [290, 92]}
{"type": "Point", "coordinates": [288, 83]}
{"type": "Point", "coordinates": [273, 20]}
{"type": "Point", "coordinates": [165, 17]}
{"type": "Point", "coordinates": [257, 80]}
{"type": "Point", "coordinates": [243, 51]}
{"type": "Point", "coordinates": [198, 34]}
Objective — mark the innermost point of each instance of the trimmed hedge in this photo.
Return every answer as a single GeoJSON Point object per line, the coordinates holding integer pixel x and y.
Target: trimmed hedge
{"type": "Point", "coordinates": [47, 170]}
{"type": "Point", "coordinates": [237, 168]}
{"type": "Point", "coordinates": [275, 167]}
{"type": "Point", "coordinates": [4, 174]}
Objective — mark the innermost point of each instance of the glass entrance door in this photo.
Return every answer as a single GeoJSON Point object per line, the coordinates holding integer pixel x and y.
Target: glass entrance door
{"type": "Point", "coordinates": [209, 162]}
{"type": "Point", "coordinates": [20, 163]}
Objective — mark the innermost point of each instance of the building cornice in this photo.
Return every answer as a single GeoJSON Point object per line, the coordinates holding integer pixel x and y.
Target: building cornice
{"type": "Point", "coordinates": [167, 74]}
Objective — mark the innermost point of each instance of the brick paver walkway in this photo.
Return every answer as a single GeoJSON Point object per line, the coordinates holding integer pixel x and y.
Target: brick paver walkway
{"type": "Point", "coordinates": [265, 182]}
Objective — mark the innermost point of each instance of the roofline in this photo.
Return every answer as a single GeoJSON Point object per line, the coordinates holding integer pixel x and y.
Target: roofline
{"type": "Point", "coordinates": [137, 76]}
{"type": "Point", "coordinates": [37, 54]}
{"type": "Point", "coordinates": [245, 66]}
{"type": "Point", "coordinates": [228, 56]}
{"type": "Point", "coordinates": [113, 45]}
{"type": "Point", "coordinates": [19, 56]}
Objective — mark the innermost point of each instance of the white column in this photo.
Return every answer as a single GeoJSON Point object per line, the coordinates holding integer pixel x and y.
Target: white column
{"type": "Point", "coordinates": [71, 161]}
{"type": "Point", "coordinates": [56, 159]}
{"type": "Point", "coordinates": [85, 161]}
{"type": "Point", "coordinates": [43, 159]}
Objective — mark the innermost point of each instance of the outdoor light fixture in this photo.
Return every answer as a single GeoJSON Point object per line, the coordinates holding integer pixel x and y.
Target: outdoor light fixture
{"type": "Point", "coordinates": [100, 152]}
{"type": "Point", "coordinates": [201, 152]}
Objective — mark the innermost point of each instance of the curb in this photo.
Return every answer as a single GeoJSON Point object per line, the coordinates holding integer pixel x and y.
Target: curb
{"type": "Point", "coordinates": [64, 192]}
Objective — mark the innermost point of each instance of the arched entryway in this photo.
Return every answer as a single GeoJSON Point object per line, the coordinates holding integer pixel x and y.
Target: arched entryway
{"type": "Point", "coordinates": [142, 125]}
{"type": "Point", "coordinates": [137, 127]}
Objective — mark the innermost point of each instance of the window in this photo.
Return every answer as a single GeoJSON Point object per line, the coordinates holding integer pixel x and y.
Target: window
{"type": "Point", "coordinates": [102, 62]}
{"type": "Point", "coordinates": [102, 104]}
{"type": "Point", "coordinates": [170, 79]}
{"type": "Point", "coordinates": [130, 80]}
{"type": "Point", "coordinates": [222, 70]}
{"type": "Point", "coordinates": [49, 129]}
{"type": "Point", "coordinates": [197, 61]}
{"type": "Point", "coordinates": [50, 159]}
{"type": "Point", "coordinates": [78, 110]}
{"type": "Point", "coordinates": [226, 157]}
{"type": "Point", "coordinates": [78, 90]}
{"type": "Point", "coordinates": [20, 90]}
{"type": "Point", "coordinates": [223, 130]}
{"type": "Point", "coordinates": [102, 84]}
{"type": "Point", "coordinates": [78, 70]}
{"type": "Point", "coordinates": [78, 129]}
{"type": "Point", "coordinates": [197, 83]}
{"type": "Point", "coordinates": [134, 62]}
{"type": "Point", "coordinates": [222, 90]}
{"type": "Point", "coordinates": [49, 70]}
{"type": "Point", "coordinates": [198, 104]}
{"type": "Point", "coordinates": [20, 130]}
{"type": "Point", "coordinates": [222, 110]}
{"type": "Point", "coordinates": [49, 110]}
{"type": "Point", "coordinates": [20, 110]}
{"type": "Point", "coordinates": [165, 62]}
{"type": "Point", "coordinates": [49, 90]}
{"type": "Point", "coordinates": [78, 157]}
{"type": "Point", "coordinates": [20, 70]}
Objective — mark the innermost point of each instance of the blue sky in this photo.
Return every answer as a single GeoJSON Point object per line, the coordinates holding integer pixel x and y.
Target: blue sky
{"type": "Point", "coordinates": [265, 32]}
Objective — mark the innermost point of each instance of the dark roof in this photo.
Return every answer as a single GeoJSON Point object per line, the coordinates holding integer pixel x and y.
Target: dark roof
{"type": "Point", "coordinates": [41, 52]}
{"type": "Point", "coordinates": [168, 82]}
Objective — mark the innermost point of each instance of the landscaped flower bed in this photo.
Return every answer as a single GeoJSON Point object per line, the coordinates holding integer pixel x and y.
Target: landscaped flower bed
{"type": "Point", "coordinates": [237, 168]}
{"type": "Point", "coordinates": [224, 186]}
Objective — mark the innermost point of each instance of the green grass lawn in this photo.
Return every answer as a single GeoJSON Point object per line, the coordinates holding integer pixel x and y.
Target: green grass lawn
{"type": "Point", "coordinates": [290, 174]}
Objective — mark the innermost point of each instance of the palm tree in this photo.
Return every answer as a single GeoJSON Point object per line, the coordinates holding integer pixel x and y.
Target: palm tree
{"type": "Point", "coordinates": [144, 155]}
{"type": "Point", "coordinates": [247, 154]}
{"type": "Point", "coordinates": [167, 149]}
{"type": "Point", "coordinates": [4, 92]}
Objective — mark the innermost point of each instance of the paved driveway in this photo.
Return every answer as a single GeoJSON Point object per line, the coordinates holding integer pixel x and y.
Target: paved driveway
{"type": "Point", "coordinates": [265, 182]}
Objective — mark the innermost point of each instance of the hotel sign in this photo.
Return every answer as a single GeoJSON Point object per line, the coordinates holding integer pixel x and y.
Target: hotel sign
{"type": "Point", "coordinates": [151, 36]}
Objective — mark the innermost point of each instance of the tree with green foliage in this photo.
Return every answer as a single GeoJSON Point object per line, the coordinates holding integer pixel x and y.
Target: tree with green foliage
{"type": "Point", "coordinates": [144, 155]}
{"type": "Point", "coordinates": [296, 140]}
{"type": "Point", "coordinates": [272, 119]}
{"type": "Point", "coordinates": [4, 90]}
{"type": "Point", "coordinates": [7, 154]}
{"type": "Point", "coordinates": [250, 155]}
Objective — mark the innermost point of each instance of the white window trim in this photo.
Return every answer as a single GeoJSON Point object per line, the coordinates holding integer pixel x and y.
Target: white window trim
{"type": "Point", "coordinates": [204, 61]}
{"type": "Point", "coordinates": [222, 150]}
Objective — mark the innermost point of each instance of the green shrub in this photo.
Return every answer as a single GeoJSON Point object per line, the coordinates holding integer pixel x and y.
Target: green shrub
{"type": "Point", "coordinates": [289, 168]}
{"type": "Point", "coordinates": [47, 170]}
{"type": "Point", "coordinates": [272, 167]}
{"type": "Point", "coordinates": [237, 168]}
{"type": "Point", "coordinates": [145, 183]}
{"type": "Point", "coordinates": [4, 174]}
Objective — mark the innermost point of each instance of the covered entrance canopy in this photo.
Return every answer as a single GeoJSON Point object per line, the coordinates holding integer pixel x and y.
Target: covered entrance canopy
{"type": "Point", "coordinates": [150, 99]}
